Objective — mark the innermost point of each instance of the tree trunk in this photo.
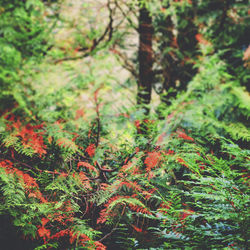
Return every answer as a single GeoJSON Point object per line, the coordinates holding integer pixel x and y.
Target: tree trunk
{"type": "Point", "coordinates": [145, 59]}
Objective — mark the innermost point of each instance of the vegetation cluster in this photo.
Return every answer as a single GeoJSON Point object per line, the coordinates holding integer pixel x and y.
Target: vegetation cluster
{"type": "Point", "coordinates": [166, 167]}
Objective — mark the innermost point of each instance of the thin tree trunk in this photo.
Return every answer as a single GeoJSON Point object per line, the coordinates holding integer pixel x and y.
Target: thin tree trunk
{"type": "Point", "coordinates": [145, 59]}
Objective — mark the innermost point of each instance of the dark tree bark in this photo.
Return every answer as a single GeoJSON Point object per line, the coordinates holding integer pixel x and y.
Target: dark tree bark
{"type": "Point", "coordinates": [145, 59]}
{"type": "Point", "coordinates": [177, 62]}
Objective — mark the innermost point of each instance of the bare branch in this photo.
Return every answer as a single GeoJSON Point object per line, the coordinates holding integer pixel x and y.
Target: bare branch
{"type": "Point", "coordinates": [126, 63]}
{"type": "Point", "coordinates": [108, 31]}
{"type": "Point", "coordinates": [126, 16]}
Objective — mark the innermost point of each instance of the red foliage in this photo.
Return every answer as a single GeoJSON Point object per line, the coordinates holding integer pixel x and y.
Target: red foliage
{"type": "Point", "coordinates": [32, 139]}
{"type": "Point", "coordinates": [66, 143]}
{"type": "Point", "coordinates": [91, 150]}
{"type": "Point", "coordinates": [126, 160]}
{"type": "Point", "coordinates": [132, 185]}
{"type": "Point", "coordinates": [64, 216]}
{"type": "Point", "coordinates": [83, 179]}
{"type": "Point", "coordinates": [50, 227]}
{"type": "Point", "coordinates": [44, 221]}
{"type": "Point", "coordinates": [165, 206]}
{"type": "Point", "coordinates": [82, 238]}
{"type": "Point", "coordinates": [152, 160]}
{"type": "Point", "coordinates": [122, 115]}
{"type": "Point", "coordinates": [87, 166]}
{"type": "Point", "coordinates": [129, 168]}
{"type": "Point", "coordinates": [202, 167]}
{"type": "Point", "coordinates": [169, 152]}
{"type": "Point", "coordinates": [99, 246]}
{"type": "Point", "coordinates": [138, 126]}
{"type": "Point", "coordinates": [201, 39]}
{"type": "Point", "coordinates": [60, 234]}
{"type": "Point", "coordinates": [139, 209]}
{"type": "Point", "coordinates": [104, 214]}
{"type": "Point", "coordinates": [43, 232]}
{"type": "Point", "coordinates": [137, 149]}
{"type": "Point", "coordinates": [184, 136]}
{"type": "Point", "coordinates": [147, 194]}
{"type": "Point", "coordinates": [246, 56]}
{"type": "Point", "coordinates": [27, 133]}
{"type": "Point", "coordinates": [185, 214]}
{"type": "Point", "coordinates": [79, 114]}
{"type": "Point", "coordinates": [29, 183]}
{"type": "Point", "coordinates": [137, 229]}
{"type": "Point", "coordinates": [182, 162]}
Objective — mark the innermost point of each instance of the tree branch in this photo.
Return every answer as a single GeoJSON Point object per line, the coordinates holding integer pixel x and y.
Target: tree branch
{"type": "Point", "coordinates": [126, 63]}
{"type": "Point", "coordinates": [95, 42]}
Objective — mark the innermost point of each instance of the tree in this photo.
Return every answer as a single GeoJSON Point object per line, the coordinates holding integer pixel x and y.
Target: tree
{"type": "Point", "coordinates": [22, 38]}
{"type": "Point", "coordinates": [145, 58]}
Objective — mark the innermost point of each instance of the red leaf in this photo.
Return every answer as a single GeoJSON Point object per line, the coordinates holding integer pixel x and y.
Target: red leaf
{"type": "Point", "coordinates": [88, 166]}
{"type": "Point", "coordinates": [43, 232]}
{"type": "Point", "coordinates": [201, 39]}
{"type": "Point", "coordinates": [91, 150]}
{"type": "Point", "coordinates": [184, 136]}
{"type": "Point", "coordinates": [137, 229]}
{"type": "Point", "coordinates": [152, 159]}
{"type": "Point", "coordinates": [44, 221]}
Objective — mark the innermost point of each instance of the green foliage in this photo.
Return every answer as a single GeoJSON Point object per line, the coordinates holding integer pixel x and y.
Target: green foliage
{"type": "Point", "coordinates": [22, 37]}
{"type": "Point", "coordinates": [212, 184]}
{"type": "Point", "coordinates": [216, 96]}
{"type": "Point", "coordinates": [79, 170]}
{"type": "Point", "coordinates": [184, 184]}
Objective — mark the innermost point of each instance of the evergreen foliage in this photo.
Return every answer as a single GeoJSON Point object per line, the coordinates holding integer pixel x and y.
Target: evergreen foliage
{"type": "Point", "coordinates": [22, 40]}
{"type": "Point", "coordinates": [89, 173]}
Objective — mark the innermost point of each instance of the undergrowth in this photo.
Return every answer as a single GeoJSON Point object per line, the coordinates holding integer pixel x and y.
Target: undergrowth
{"type": "Point", "coordinates": [77, 183]}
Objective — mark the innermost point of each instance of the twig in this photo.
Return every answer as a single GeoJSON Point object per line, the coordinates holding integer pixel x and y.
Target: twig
{"type": "Point", "coordinates": [95, 42]}
{"type": "Point", "coordinates": [126, 63]}
{"type": "Point", "coordinates": [126, 16]}
{"type": "Point", "coordinates": [104, 169]}
{"type": "Point", "coordinates": [98, 120]}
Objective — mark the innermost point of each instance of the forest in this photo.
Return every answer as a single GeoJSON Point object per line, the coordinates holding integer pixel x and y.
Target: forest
{"type": "Point", "coordinates": [124, 124]}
